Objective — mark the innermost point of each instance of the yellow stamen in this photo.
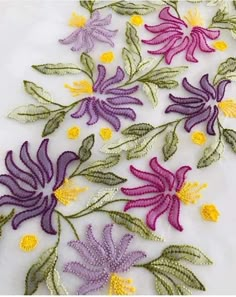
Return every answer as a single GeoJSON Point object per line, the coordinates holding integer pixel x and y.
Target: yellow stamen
{"type": "Point", "coordinates": [198, 137]}
{"type": "Point", "coordinates": [209, 212]}
{"type": "Point", "coordinates": [193, 18]}
{"type": "Point", "coordinates": [106, 133]}
{"type": "Point", "coordinates": [73, 132]}
{"type": "Point", "coordinates": [80, 87]}
{"type": "Point", "coordinates": [107, 57]}
{"type": "Point", "coordinates": [190, 192]}
{"type": "Point", "coordinates": [77, 20]}
{"type": "Point", "coordinates": [120, 285]}
{"type": "Point", "coordinates": [67, 192]}
{"type": "Point", "coordinates": [220, 45]}
{"type": "Point", "coordinates": [28, 242]}
{"type": "Point", "coordinates": [228, 107]}
{"type": "Point", "coordinates": [136, 20]}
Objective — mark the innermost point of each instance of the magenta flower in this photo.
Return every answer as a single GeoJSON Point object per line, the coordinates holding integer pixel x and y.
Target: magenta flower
{"type": "Point", "coordinates": [202, 105]}
{"type": "Point", "coordinates": [88, 32]}
{"type": "Point", "coordinates": [178, 36]}
{"type": "Point", "coordinates": [164, 187]}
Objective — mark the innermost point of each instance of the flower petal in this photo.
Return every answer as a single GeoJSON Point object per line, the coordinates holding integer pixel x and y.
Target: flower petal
{"type": "Point", "coordinates": [125, 112]}
{"type": "Point", "coordinates": [185, 109]}
{"type": "Point", "coordinates": [167, 16]}
{"type": "Point", "coordinates": [180, 176]}
{"type": "Point", "coordinates": [202, 43]}
{"type": "Point", "coordinates": [185, 100]}
{"type": "Point", "coordinates": [93, 243]}
{"type": "Point", "coordinates": [206, 86]}
{"type": "Point", "coordinates": [220, 91]}
{"type": "Point", "coordinates": [211, 34]}
{"type": "Point", "coordinates": [108, 243]}
{"type": "Point", "coordinates": [165, 36]}
{"type": "Point", "coordinates": [46, 220]}
{"type": "Point", "coordinates": [191, 49]}
{"type": "Point", "coordinates": [162, 27]}
{"type": "Point", "coordinates": [88, 43]}
{"type": "Point", "coordinates": [82, 109]}
{"type": "Point", "coordinates": [106, 32]}
{"type": "Point", "coordinates": [11, 200]}
{"type": "Point", "coordinates": [80, 42]}
{"type": "Point", "coordinates": [176, 49]}
{"type": "Point", "coordinates": [166, 47]}
{"type": "Point", "coordinates": [193, 90]}
{"type": "Point", "coordinates": [211, 122]}
{"type": "Point", "coordinates": [110, 118]}
{"type": "Point", "coordinates": [97, 21]}
{"type": "Point", "coordinates": [173, 217]}
{"type": "Point", "coordinates": [122, 92]}
{"type": "Point", "coordinates": [120, 100]}
{"type": "Point", "coordinates": [197, 118]}
{"type": "Point", "coordinates": [100, 37]}
{"type": "Point", "coordinates": [128, 261]}
{"type": "Point", "coordinates": [44, 161]}
{"type": "Point", "coordinates": [145, 202]}
{"type": "Point", "coordinates": [83, 272]}
{"type": "Point", "coordinates": [101, 76]}
{"type": "Point", "coordinates": [92, 111]}
{"type": "Point", "coordinates": [123, 246]}
{"type": "Point", "coordinates": [13, 186]}
{"type": "Point", "coordinates": [118, 77]}
{"type": "Point", "coordinates": [71, 38]}
{"type": "Point", "coordinates": [140, 190]}
{"type": "Point", "coordinates": [93, 285]}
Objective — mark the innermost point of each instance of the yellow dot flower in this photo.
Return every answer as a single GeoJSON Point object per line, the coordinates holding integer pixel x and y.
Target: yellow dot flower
{"type": "Point", "coordinates": [190, 192]}
{"type": "Point", "coordinates": [220, 45]}
{"type": "Point", "coordinates": [193, 18]}
{"type": "Point", "coordinates": [228, 107]}
{"type": "Point", "coordinates": [106, 133]}
{"type": "Point", "coordinates": [77, 20]}
{"type": "Point", "coordinates": [209, 212]}
{"type": "Point", "coordinates": [120, 285]}
{"type": "Point", "coordinates": [136, 20]}
{"type": "Point", "coordinates": [80, 87]}
{"type": "Point", "coordinates": [107, 57]}
{"type": "Point", "coordinates": [67, 192]}
{"type": "Point", "coordinates": [73, 132]}
{"type": "Point", "coordinates": [28, 242]}
{"type": "Point", "coordinates": [198, 137]}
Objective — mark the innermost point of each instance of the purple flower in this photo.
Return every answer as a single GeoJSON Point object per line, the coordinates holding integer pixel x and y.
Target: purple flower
{"type": "Point", "coordinates": [88, 32]}
{"type": "Point", "coordinates": [202, 105]}
{"type": "Point", "coordinates": [100, 261]}
{"type": "Point", "coordinates": [178, 36]}
{"type": "Point", "coordinates": [108, 109]}
{"type": "Point", "coordinates": [164, 187]}
{"type": "Point", "coordinates": [33, 183]}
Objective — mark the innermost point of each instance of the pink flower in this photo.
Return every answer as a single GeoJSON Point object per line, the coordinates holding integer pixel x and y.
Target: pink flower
{"type": "Point", "coordinates": [178, 36]}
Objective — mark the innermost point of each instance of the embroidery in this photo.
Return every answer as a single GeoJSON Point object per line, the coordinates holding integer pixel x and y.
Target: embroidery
{"type": "Point", "coordinates": [28, 242]}
{"type": "Point", "coordinates": [73, 132]}
{"type": "Point", "coordinates": [106, 133]}
{"type": "Point", "coordinates": [209, 212]}
{"type": "Point", "coordinates": [107, 57]}
{"type": "Point", "coordinates": [199, 137]}
{"type": "Point", "coordinates": [190, 192]}
{"type": "Point", "coordinates": [80, 88]}
{"type": "Point", "coordinates": [220, 45]}
{"type": "Point", "coordinates": [4, 219]}
{"type": "Point", "coordinates": [120, 285]}
{"type": "Point", "coordinates": [136, 20]}
{"type": "Point", "coordinates": [228, 107]}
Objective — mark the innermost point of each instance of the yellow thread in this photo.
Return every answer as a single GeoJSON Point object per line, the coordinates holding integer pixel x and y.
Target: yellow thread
{"type": "Point", "coordinates": [121, 286]}
{"type": "Point", "coordinates": [80, 87]}
{"type": "Point", "coordinates": [198, 137]}
{"type": "Point", "coordinates": [220, 45]}
{"type": "Point", "coordinates": [193, 18]}
{"type": "Point", "coordinates": [190, 192]}
{"type": "Point", "coordinates": [106, 133]}
{"type": "Point", "coordinates": [28, 242]}
{"type": "Point", "coordinates": [228, 107]}
{"type": "Point", "coordinates": [77, 20]}
{"type": "Point", "coordinates": [209, 212]}
{"type": "Point", "coordinates": [73, 132]}
{"type": "Point", "coordinates": [107, 57]}
{"type": "Point", "coordinates": [67, 193]}
{"type": "Point", "coordinates": [136, 20]}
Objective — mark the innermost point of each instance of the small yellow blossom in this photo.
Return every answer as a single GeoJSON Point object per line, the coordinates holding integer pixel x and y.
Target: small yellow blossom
{"type": "Point", "coordinates": [28, 242]}
{"type": "Point", "coordinates": [77, 20]}
{"type": "Point", "coordinates": [107, 57]}
{"type": "Point", "coordinates": [193, 18]}
{"type": "Point", "coordinates": [136, 20]}
{"type": "Point", "coordinates": [190, 192]}
{"type": "Point", "coordinates": [80, 87]}
{"type": "Point", "coordinates": [228, 107]}
{"type": "Point", "coordinates": [198, 137]}
{"type": "Point", "coordinates": [209, 212]}
{"type": "Point", "coordinates": [106, 133]}
{"type": "Point", "coordinates": [73, 132]}
{"type": "Point", "coordinates": [220, 45]}
{"type": "Point", "coordinates": [120, 285]}
{"type": "Point", "coordinates": [67, 192]}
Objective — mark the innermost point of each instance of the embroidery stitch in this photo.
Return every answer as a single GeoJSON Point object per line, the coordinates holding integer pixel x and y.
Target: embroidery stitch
{"type": "Point", "coordinates": [73, 132]}
{"type": "Point", "coordinates": [209, 212]}
{"type": "Point", "coordinates": [198, 137]}
{"type": "Point", "coordinates": [220, 45]}
{"type": "Point", "coordinates": [107, 57]}
{"type": "Point", "coordinates": [136, 20]}
{"type": "Point", "coordinates": [105, 133]}
{"type": "Point", "coordinates": [28, 242]}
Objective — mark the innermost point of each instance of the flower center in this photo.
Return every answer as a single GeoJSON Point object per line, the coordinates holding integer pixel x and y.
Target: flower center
{"type": "Point", "coordinates": [77, 20]}
{"type": "Point", "coordinates": [193, 18]}
{"type": "Point", "coordinates": [190, 192]}
{"type": "Point", "coordinates": [209, 212]}
{"type": "Point", "coordinates": [80, 87]}
{"type": "Point", "coordinates": [120, 285]}
{"type": "Point", "coordinates": [28, 242]}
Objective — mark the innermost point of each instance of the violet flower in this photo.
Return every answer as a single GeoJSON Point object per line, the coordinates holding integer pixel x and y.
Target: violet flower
{"type": "Point", "coordinates": [32, 185]}
{"type": "Point", "coordinates": [202, 105]}
{"type": "Point", "coordinates": [100, 262]}
{"type": "Point", "coordinates": [177, 36]}
{"type": "Point", "coordinates": [88, 32]}
{"type": "Point", "coordinates": [108, 108]}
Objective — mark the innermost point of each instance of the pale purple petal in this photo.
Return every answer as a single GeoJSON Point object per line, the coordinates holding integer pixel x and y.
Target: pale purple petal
{"type": "Point", "coordinates": [44, 160]}
{"type": "Point", "coordinates": [196, 119]}
{"type": "Point", "coordinates": [71, 38]}
{"type": "Point", "coordinates": [83, 272]}
{"type": "Point", "coordinates": [120, 100]}
{"type": "Point", "coordinates": [212, 120]}
{"type": "Point", "coordinates": [173, 217]}
{"type": "Point", "coordinates": [13, 186]}
{"type": "Point", "coordinates": [101, 37]}
{"type": "Point", "coordinates": [144, 202]}
{"type": "Point", "coordinates": [118, 77]}
{"type": "Point", "coordinates": [82, 109]}
{"type": "Point", "coordinates": [140, 190]}
{"type": "Point", "coordinates": [93, 243]}
{"type": "Point", "coordinates": [167, 16]}
{"type": "Point", "coordinates": [191, 89]}
{"type": "Point", "coordinates": [97, 21]}
{"type": "Point", "coordinates": [127, 261]}
{"type": "Point", "coordinates": [93, 285]}
{"type": "Point", "coordinates": [108, 243]}
{"type": "Point", "coordinates": [183, 44]}
{"type": "Point", "coordinates": [100, 78]}
{"type": "Point", "coordinates": [185, 109]}
{"type": "Point", "coordinates": [123, 246]}
{"type": "Point", "coordinates": [206, 86]}
{"type": "Point", "coordinates": [87, 43]}
{"type": "Point", "coordinates": [180, 176]}
{"type": "Point", "coordinates": [46, 220]}
{"type": "Point", "coordinates": [106, 32]}
{"type": "Point", "coordinates": [220, 91]}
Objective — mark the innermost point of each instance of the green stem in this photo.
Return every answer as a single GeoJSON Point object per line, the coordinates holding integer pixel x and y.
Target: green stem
{"type": "Point", "coordinates": [106, 6]}
{"type": "Point", "coordinates": [75, 172]}
{"type": "Point", "coordinates": [170, 123]}
{"type": "Point", "coordinates": [69, 222]}
{"type": "Point", "coordinates": [58, 230]}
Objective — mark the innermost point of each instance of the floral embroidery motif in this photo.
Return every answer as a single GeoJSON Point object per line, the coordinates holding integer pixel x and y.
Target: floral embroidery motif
{"type": "Point", "coordinates": [209, 212]}
{"type": "Point", "coordinates": [101, 260]}
{"type": "Point", "coordinates": [220, 45]}
{"type": "Point", "coordinates": [190, 192]}
{"type": "Point", "coordinates": [171, 32]}
{"type": "Point", "coordinates": [106, 133]}
{"type": "Point", "coordinates": [73, 132]}
{"type": "Point", "coordinates": [28, 242]}
{"type": "Point", "coordinates": [88, 32]}
{"type": "Point", "coordinates": [121, 286]}
{"type": "Point", "coordinates": [107, 57]}
{"type": "Point", "coordinates": [199, 138]}
{"type": "Point", "coordinates": [80, 88]}
{"type": "Point", "coordinates": [136, 20]}
{"type": "Point", "coordinates": [228, 107]}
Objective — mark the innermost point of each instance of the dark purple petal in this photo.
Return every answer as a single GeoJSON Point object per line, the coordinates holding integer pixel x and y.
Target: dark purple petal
{"type": "Point", "coordinates": [82, 109]}
{"type": "Point", "coordinates": [212, 34]}
{"type": "Point", "coordinates": [167, 16]}
{"type": "Point", "coordinates": [123, 246]}
{"type": "Point", "coordinates": [170, 44]}
{"type": "Point", "coordinates": [185, 109]}
{"type": "Point", "coordinates": [186, 100]}
{"type": "Point", "coordinates": [180, 176]}
{"type": "Point", "coordinates": [173, 217]}
{"type": "Point", "coordinates": [197, 118]}
{"type": "Point", "coordinates": [125, 112]}
{"type": "Point", "coordinates": [157, 211]}
{"type": "Point", "coordinates": [145, 202]}
{"type": "Point", "coordinates": [44, 160]}
{"type": "Point", "coordinates": [206, 86]}
{"type": "Point", "coordinates": [140, 190]}
{"type": "Point", "coordinates": [13, 186]}
{"type": "Point", "coordinates": [191, 49]}
{"type": "Point", "coordinates": [119, 100]}
{"type": "Point", "coordinates": [83, 272]}
{"type": "Point", "coordinates": [212, 120]}
{"type": "Point", "coordinates": [164, 27]}
{"type": "Point", "coordinates": [19, 173]}
{"type": "Point", "coordinates": [193, 90]}
{"type": "Point", "coordinates": [108, 243]}
{"type": "Point", "coordinates": [93, 285]}
{"type": "Point", "coordinates": [46, 220]}
{"type": "Point", "coordinates": [122, 92]}
{"type": "Point", "coordinates": [62, 162]}
{"type": "Point", "coordinates": [202, 43]}
{"type": "Point", "coordinates": [220, 91]}
{"type": "Point", "coordinates": [71, 38]}
{"type": "Point", "coordinates": [100, 78]}
{"type": "Point", "coordinates": [11, 200]}
{"type": "Point", "coordinates": [183, 44]}
{"type": "Point", "coordinates": [110, 118]}
{"type": "Point", "coordinates": [92, 111]}
{"type": "Point", "coordinates": [118, 77]}
{"type": "Point", "coordinates": [33, 167]}
{"type": "Point", "coordinates": [128, 261]}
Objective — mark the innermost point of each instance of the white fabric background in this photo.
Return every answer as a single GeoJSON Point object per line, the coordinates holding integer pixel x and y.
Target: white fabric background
{"type": "Point", "coordinates": [29, 32]}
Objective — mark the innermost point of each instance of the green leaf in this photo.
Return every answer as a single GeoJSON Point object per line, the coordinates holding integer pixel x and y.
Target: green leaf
{"type": "Point", "coordinates": [186, 252]}
{"type": "Point", "coordinates": [183, 290]}
{"type": "Point", "coordinates": [172, 3]}
{"type": "Point", "coordinates": [227, 66]}
{"type": "Point", "coordinates": [85, 149]}
{"type": "Point", "coordinates": [39, 271]}
{"type": "Point", "coordinates": [59, 68]}
{"type": "Point", "coordinates": [133, 224]}
{"type": "Point", "coordinates": [138, 129]}
{"type": "Point", "coordinates": [53, 123]}
{"type": "Point", "coordinates": [103, 164]}
{"type": "Point", "coordinates": [170, 147]}
{"type": "Point", "coordinates": [88, 63]}
{"type": "Point", "coordinates": [37, 92]}
{"type": "Point", "coordinates": [119, 146]}
{"type": "Point", "coordinates": [210, 155]}
{"type": "Point", "coordinates": [132, 40]}
{"type": "Point", "coordinates": [101, 198]}
{"type": "Point", "coordinates": [151, 91]}
{"type": "Point", "coordinates": [163, 286]}
{"type": "Point", "coordinates": [163, 74]}
{"type": "Point", "coordinates": [129, 62]}
{"type": "Point", "coordinates": [129, 8]}
{"type": "Point", "coordinates": [54, 283]}
{"type": "Point", "coordinates": [234, 3]}
{"type": "Point", "coordinates": [29, 113]}
{"type": "Point", "coordinates": [168, 84]}
{"type": "Point", "coordinates": [220, 16]}
{"type": "Point", "coordinates": [230, 138]}
{"type": "Point", "coordinates": [106, 178]}
{"type": "Point", "coordinates": [87, 4]}
{"type": "Point", "coordinates": [4, 219]}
